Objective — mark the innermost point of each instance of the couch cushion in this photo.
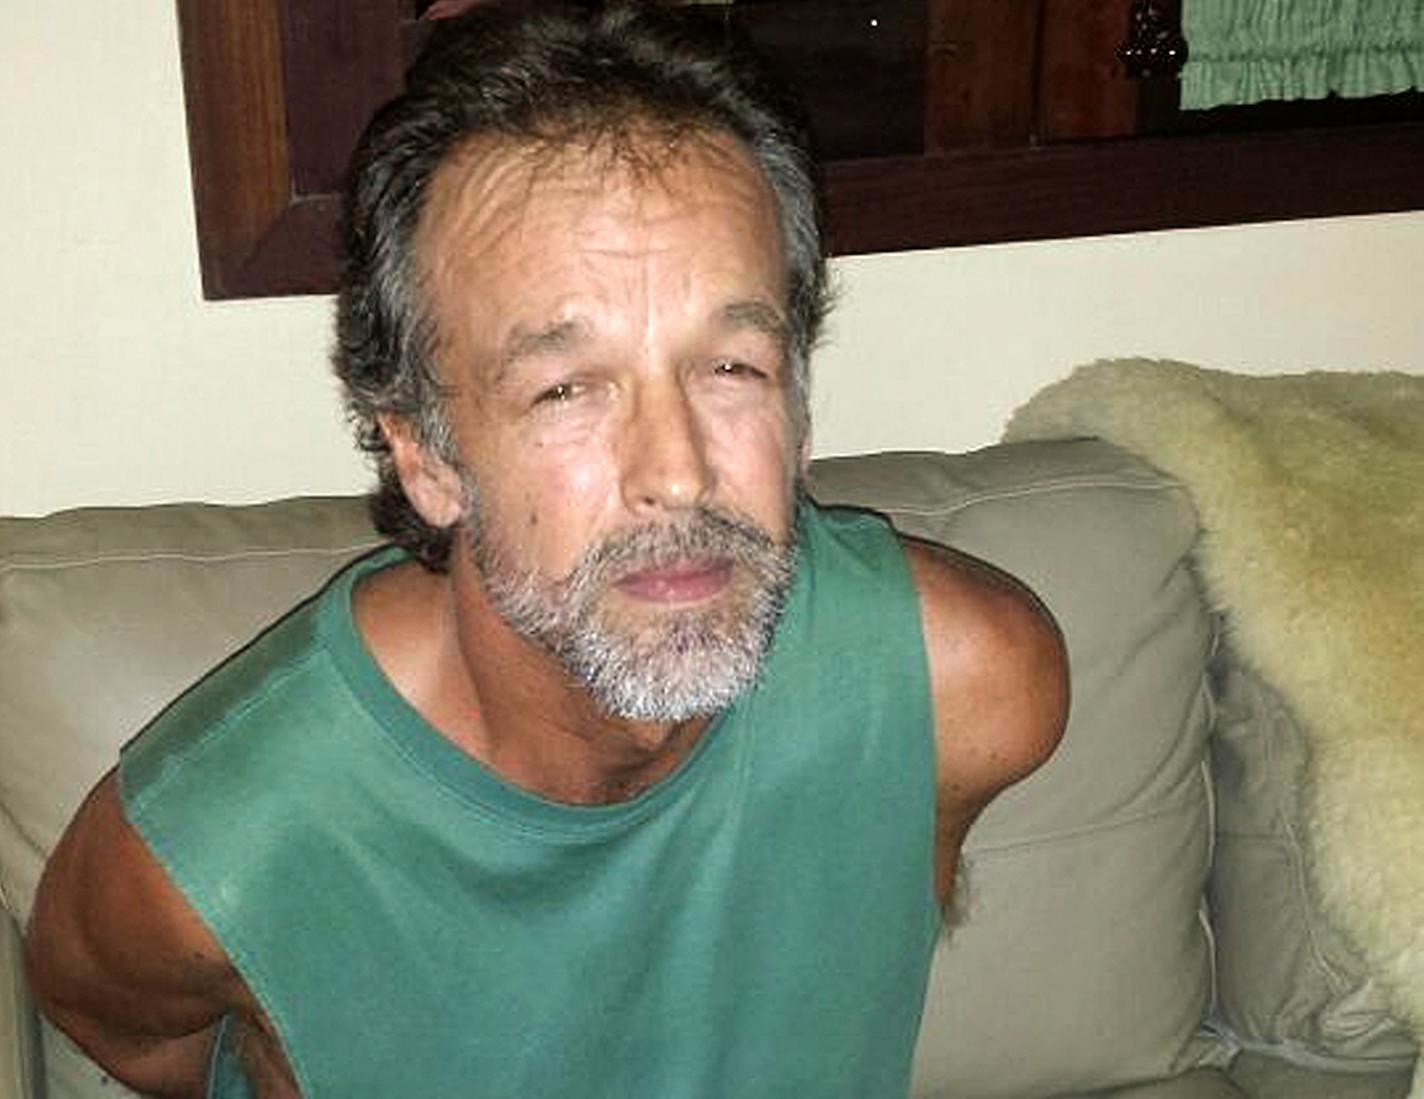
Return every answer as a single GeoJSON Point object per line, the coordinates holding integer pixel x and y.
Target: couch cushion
{"type": "Point", "coordinates": [1202, 1083]}
{"type": "Point", "coordinates": [1289, 983]}
{"type": "Point", "coordinates": [19, 1060]}
{"type": "Point", "coordinates": [1266, 1077]}
{"type": "Point", "coordinates": [107, 613]}
{"type": "Point", "coordinates": [70, 1074]}
{"type": "Point", "coordinates": [1082, 960]}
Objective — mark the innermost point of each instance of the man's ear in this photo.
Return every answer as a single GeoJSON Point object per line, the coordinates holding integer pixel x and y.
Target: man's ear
{"type": "Point", "coordinates": [803, 456]}
{"type": "Point", "coordinates": [431, 484]}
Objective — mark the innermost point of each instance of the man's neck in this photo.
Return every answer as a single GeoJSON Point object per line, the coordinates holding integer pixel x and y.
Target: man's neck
{"type": "Point", "coordinates": [503, 700]}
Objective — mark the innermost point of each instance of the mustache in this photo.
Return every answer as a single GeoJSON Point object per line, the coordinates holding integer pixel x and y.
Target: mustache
{"type": "Point", "coordinates": [707, 534]}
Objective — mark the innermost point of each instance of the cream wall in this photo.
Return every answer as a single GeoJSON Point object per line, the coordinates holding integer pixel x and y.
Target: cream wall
{"type": "Point", "coordinates": [121, 385]}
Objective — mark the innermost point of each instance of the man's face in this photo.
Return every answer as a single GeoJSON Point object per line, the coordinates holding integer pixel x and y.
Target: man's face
{"type": "Point", "coordinates": [614, 335]}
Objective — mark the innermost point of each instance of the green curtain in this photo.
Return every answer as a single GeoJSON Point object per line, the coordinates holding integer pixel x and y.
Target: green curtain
{"type": "Point", "coordinates": [1245, 51]}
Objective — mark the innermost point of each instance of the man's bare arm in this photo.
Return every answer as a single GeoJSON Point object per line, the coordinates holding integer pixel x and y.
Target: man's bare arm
{"type": "Point", "coordinates": [999, 681]}
{"type": "Point", "coordinates": [120, 962]}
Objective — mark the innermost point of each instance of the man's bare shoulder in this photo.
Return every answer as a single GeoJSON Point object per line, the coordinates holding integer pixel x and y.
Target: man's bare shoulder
{"type": "Point", "coordinates": [114, 953]}
{"type": "Point", "coordinates": [998, 670]}
{"type": "Point", "coordinates": [103, 883]}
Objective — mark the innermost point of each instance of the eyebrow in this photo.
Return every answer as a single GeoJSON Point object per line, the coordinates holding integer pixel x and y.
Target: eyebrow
{"type": "Point", "coordinates": [559, 337]}
{"type": "Point", "coordinates": [756, 314]}
{"type": "Point", "coordinates": [550, 339]}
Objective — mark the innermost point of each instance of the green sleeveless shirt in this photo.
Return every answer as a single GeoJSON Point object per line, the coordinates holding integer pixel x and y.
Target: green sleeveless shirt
{"type": "Point", "coordinates": [758, 924]}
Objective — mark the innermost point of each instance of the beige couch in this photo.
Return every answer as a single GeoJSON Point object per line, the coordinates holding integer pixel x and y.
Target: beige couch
{"type": "Point", "coordinates": [1134, 920]}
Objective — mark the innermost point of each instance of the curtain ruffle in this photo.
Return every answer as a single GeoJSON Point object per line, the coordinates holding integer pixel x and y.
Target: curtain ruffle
{"type": "Point", "coordinates": [1247, 51]}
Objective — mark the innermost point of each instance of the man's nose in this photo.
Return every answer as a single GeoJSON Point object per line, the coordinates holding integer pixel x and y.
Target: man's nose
{"type": "Point", "coordinates": [665, 463]}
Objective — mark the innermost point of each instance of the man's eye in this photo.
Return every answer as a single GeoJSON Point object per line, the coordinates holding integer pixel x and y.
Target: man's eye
{"type": "Point", "coordinates": [557, 394]}
{"type": "Point", "coordinates": [734, 368]}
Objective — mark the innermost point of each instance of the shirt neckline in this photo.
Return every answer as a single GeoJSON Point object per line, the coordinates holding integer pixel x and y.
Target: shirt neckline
{"type": "Point", "coordinates": [482, 788]}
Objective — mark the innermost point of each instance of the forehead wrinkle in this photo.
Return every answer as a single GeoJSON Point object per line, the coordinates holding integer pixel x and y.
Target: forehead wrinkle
{"type": "Point", "coordinates": [476, 194]}
{"type": "Point", "coordinates": [472, 190]}
{"type": "Point", "coordinates": [481, 198]}
{"type": "Point", "coordinates": [476, 208]}
{"type": "Point", "coordinates": [742, 190]}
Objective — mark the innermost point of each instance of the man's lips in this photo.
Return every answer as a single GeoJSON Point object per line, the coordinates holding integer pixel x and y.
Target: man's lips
{"type": "Point", "coordinates": [687, 582]}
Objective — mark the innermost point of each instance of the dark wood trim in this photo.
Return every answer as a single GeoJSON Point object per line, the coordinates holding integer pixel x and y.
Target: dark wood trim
{"type": "Point", "coordinates": [237, 137]}
{"type": "Point", "coordinates": [276, 92]}
{"type": "Point", "coordinates": [1083, 90]}
{"type": "Point", "coordinates": [1130, 185]}
{"type": "Point", "coordinates": [980, 68]}
{"type": "Point", "coordinates": [267, 210]}
{"type": "Point", "coordinates": [297, 254]}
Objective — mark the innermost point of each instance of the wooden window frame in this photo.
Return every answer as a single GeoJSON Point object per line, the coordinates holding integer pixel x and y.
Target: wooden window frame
{"type": "Point", "coordinates": [265, 149]}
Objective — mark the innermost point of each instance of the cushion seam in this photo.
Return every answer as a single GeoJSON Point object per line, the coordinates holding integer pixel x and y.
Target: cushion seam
{"type": "Point", "coordinates": [1069, 835]}
{"type": "Point", "coordinates": [194, 557]}
{"type": "Point", "coordinates": [1043, 488]}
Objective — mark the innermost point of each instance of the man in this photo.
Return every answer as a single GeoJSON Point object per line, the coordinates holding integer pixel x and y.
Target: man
{"type": "Point", "coordinates": [630, 772]}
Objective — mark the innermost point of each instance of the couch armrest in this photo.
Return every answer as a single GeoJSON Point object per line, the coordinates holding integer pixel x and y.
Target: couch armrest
{"type": "Point", "coordinates": [19, 1047]}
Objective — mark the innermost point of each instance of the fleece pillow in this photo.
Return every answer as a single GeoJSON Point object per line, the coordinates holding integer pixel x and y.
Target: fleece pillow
{"type": "Point", "coordinates": [1309, 491]}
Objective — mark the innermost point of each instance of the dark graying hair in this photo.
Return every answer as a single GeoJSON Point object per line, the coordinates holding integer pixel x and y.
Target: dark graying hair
{"type": "Point", "coordinates": [553, 77]}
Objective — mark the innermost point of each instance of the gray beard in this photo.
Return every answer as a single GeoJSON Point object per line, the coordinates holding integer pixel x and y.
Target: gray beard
{"type": "Point", "coordinates": [681, 663]}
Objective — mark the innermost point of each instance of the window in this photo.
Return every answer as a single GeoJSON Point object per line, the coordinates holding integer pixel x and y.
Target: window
{"type": "Point", "coordinates": [945, 122]}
